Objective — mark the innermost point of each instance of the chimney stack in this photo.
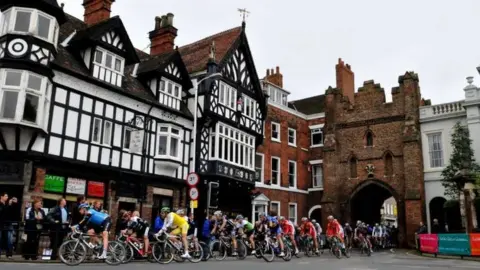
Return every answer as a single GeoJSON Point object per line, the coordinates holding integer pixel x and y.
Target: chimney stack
{"type": "Point", "coordinates": [345, 79]}
{"type": "Point", "coordinates": [275, 77]}
{"type": "Point", "coordinates": [162, 38]}
{"type": "Point", "coordinates": [97, 11]}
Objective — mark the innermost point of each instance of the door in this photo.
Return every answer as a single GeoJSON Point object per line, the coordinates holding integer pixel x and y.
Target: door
{"type": "Point", "coordinates": [158, 203]}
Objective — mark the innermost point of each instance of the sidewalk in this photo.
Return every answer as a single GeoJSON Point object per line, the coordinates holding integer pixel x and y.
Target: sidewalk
{"type": "Point", "coordinates": [440, 256]}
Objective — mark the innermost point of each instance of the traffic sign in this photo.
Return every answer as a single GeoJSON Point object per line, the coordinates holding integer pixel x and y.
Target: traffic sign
{"type": "Point", "coordinates": [192, 179]}
{"type": "Point", "coordinates": [193, 193]}
{"type": "Point", "coordinates": [194, 204]}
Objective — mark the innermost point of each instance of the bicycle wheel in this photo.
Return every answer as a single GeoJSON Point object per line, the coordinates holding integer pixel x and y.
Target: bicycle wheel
{"type": "Point", "coordinates": [206, 251]}
{"type": "Point", "coordinates": [336, 251]}
{"type": "Point", "coordinates": [72, 252]}
{"type": "Point", "coordinates": [150, 257]}
{"type": "Point", "coordinates": [241, 250]}
{"type": "Point", "coordinates": [115, 253]}
{"type": "Point", "coordinates": [268, 253]}
{"type": "Point", "coordinates": [162, 252]}
{"type": "Point", "coordinates": [218, 250]}
{"type": "Point", "coordinates": [259, 249]}
{"type": "Point", "coordinates": [288, 254]}
{"type": "Point", "coordinates": [129, 253]}
{"type": "Point", "coordinates": [196, 252]}
{"type": "Point", "coordinates": [309, 248]}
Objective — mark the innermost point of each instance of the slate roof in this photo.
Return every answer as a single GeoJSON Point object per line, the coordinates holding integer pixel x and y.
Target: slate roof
{"type": "Point", "coordinates": [52, 2]}
{"type": "Point", "coordinates": [310, 105]}
{"type": "Point", "coordinates": [71, 61]}
{"type": "Point", "coordinates": [196, 55]}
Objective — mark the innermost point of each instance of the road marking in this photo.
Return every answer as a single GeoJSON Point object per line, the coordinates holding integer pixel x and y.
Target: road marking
{"type": "Point", "coordinates": [303, 263]}
{"type": "Point", "coordinates": [411, 266]}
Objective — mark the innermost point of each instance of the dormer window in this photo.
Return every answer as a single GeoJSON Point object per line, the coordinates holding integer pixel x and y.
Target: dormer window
{"type": "Point", "coordinates": [30, 21]}
{"type": "Point", "coordinates": [170, 94]}
{"type": "Point", "coordinates": [108, 67]}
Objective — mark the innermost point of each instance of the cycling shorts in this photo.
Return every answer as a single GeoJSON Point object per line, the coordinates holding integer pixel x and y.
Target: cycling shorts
{"type": "Point", "coordinates": [142, 231]}
{"type": "Point", "coordinates": [181, 230]}
{"type": "Point", "coordinates": [104, 227]}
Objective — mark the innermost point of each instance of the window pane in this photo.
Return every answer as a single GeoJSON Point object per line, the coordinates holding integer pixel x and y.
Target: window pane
{"type": "Point", "coordinates": [9, 104]}
{"type": "Point", "coordinates": [317, 138]}
{"type": "Point", "coordinates": [175, 131]}
{"type": "Point", "coordinates": [6, 21]}
{"type": "Point", "coordinates": [43, 26]}
{"type": "Point", "coordinates": [162, 145]}
{"type": "Point", "coordinates": [222, 93]}
{"type": "Point", "coordinates": [31, 108]}
{"type": "Point", "coordinates": [169, 89]}
{"type": "Point", "coordinates": [174, 147]}
{"type": "Point", "coordinates": [22, 22]}
{"type": "Point", "coordinates": [162, 85]}
{"type": "Point", "coordinates": [176, 93]}
{"type": "Point", "coordinates": [13, 78]}
{"type": "Point", "coordinates": [118, 65]}
{"type": "Point", "coordinates": [34, 82]}
{"type": "Point", "coordinates": [163, 129]}
{"type": "Point", "coordinates": [97, 124]}
{"type": "Point", "coordinates": [98, 57]}
{"type": "Point", "coordinates": [108, 61]}
{"type": "Point", "coordinates": [126, 138]}
{"type": "Point", "coordinates": [107, 133]}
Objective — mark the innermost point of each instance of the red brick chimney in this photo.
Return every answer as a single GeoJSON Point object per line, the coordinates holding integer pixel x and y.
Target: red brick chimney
{"type": "Point", "coordinates": [96, 11]}
{"type": "Point", "coordinates": [162, 39]}
{"type": "Point", "coordinates": [345, 79]}
{"type": "Point", "coordinates": [275, 77]}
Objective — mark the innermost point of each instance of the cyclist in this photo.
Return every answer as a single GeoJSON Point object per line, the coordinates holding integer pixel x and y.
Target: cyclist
{"type": "Point", "coordinates": [361, 233]}
{"type": "Point", "coordinates": [222, 224]}
{"type": "Point", "coordinates": [247, 228]}
{"type": "Point", "coordinates": [307, 228]}
{"type": "Point", "coordinates": [377, 234]}
{"type": "Point", "coordinates": [335, 230]}
{"type": "Point", "coordinates": [95, 222]}
{"type": "Point", "coordinates": [139, 227]}
{"type": "Point", "coordinates": [274, 227]}
{"type": "Point", "coordinates": [319, 230]}
{"type": "Point", "coordinates": [288, 230]}
{"type": "Point", "coordinates": [171, 219]}
{"type": "Point", "coordinates": [348, 235]}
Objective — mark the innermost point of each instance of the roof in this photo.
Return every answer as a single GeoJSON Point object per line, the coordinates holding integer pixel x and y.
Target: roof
{"type": "Point", "coordinates": [310, 105]}
{"type": "Point", "coordinates": [69, 61]}
{"type": "Point", "coordinates": [153, 63]}
{"type": "Point", "coordinates": [52, 2]}
{"type": "Point", "coordinates": [196, 55]}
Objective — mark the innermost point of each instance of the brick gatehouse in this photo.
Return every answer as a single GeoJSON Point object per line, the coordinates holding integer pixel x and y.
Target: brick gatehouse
{"type": "Point", "coordinates": [373, 151]}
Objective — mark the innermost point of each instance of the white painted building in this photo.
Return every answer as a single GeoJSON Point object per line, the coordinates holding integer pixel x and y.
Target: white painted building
{"type": "Point", "coordinates": [437, 122]}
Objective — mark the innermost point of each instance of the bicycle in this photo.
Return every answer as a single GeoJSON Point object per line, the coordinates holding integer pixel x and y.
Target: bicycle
{"type": "Point", "coordinates": [308, 246]}
{"type": "Point", "coordinates": [224, 246]}
{"type": "Point", "coordinates": [364, 246]}
{"type": "Point", "coordinates": [133, 247]}
{"type": "Point", "coordinates": [272, 250]}
{"type": "Point", "coordinates": [288, 242]}
{"type": "Point", "coordinates": [336, 248]}
{"type": "Point", "coordinates": [258, 245]}
{"type": "Point", "coordinates": [168, 250]}
{"type": "Point", "coordinates": [74, 251]}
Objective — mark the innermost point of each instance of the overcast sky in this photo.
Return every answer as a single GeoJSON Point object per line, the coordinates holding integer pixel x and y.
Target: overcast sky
{"type": "Point", "coordinates": [380, 39]}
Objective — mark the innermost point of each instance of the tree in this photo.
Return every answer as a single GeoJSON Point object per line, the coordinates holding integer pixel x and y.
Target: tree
{"type": "Point", "coordinates": [462, 155]}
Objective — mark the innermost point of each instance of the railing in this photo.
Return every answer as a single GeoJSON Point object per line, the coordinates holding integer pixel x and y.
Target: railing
{"type": "Point", "coordinates": [442, 109]}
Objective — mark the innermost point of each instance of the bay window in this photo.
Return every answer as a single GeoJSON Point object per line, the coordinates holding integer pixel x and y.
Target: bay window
{"type": "Point", "coordinates": [108, 67]}
{"type": "Point", "coordinates": [168, 141]}
{"type": "Point", "coordinates": [23, 96]}
{"type": "Point", "coordinates": [227, 95]}
{"type": "Point", "coordinates": [232, 146]}
{"type": "Point", "coordinates": [170, 94]}
{"type": "Point", "coordinates": [30, 21]}
{"type": "Point", "coordinates": [249, 106]}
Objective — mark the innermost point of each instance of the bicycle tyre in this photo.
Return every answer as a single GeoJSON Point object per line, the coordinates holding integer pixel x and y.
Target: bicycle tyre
{"type": "Point", "coordinates": [162, 253]}
{"type": "Point", "coordinates": [198, 254]}
{"type": "Point", "coordinates": [206, 251]}
{"type": "Point", "coordinates": [268, 253]}
{"type": "Point", "coordinates": [241, 250]}
{"type": "Point", "coordinates": [259, 249]}
{"type": "Point", "coordinates": [129, 253]}
{"type": "Point", "coordinates": [76, 245]}
{"type": "Point", "coordinates": [217, 246]}
{"type": "Point", "coordinates": [115, 253]}
{"type": "Point", "coordinates": [288, 254]}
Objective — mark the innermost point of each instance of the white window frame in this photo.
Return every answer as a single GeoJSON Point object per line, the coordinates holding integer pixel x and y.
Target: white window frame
{"type": "Point", "coordinates": [100, 128]}
{"type": "Point", "coordinates": [284, 99]}
{"type": "Point", "coordinates": [314, 175]}
{"type": "Point", "coordinates": [253, 105]}
{"type": "Point", "coordinates": [263, 205]}
{"type": "Point", "coordinates": [242, 140]}
{"type": "Point", "coordinates": [277, 171]}
{"type": "Point", "coordinates": [435, 162]}
{"type": "Point", "coordinates": [296, 212]}
{"type": "Point", "coordinates": [278, 203]}
{"type": "Point", "coordinates": [313, 132]}
{"type": "Point", "coordinates": [169, 134]}
{"type": "Point", "coordinates": [125, 130]}
{"type": "Point", "coordinates": [9, 26]}
{"type": "Point", "coordinates": [165, 82]}
{"type": "Point", "coordinates": [272, 124]}
{"type": "Point", "coordinates": [294, 143]}
{"type": "Point", "coordinates": [262, 172]}
{"type": "Point", "coordinates": [229, 95]}
{"type": "Point", "coordinates": [22, 91]}
{"type": "Point", "coordinates": [294, 174]}
{"type": "Point", "coordinates": [272, 94]}
{"type": "Point", "coordinates": [104, 61]}
{"type": "Point", "coordinates": [107, 138]}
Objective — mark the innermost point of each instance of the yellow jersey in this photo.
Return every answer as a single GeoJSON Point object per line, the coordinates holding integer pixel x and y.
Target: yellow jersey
{"type": "Point", "coordinates": [177, 221]}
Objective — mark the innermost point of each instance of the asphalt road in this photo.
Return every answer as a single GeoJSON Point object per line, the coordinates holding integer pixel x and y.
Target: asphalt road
{"type": "Point", "coordinates": [378, 261]}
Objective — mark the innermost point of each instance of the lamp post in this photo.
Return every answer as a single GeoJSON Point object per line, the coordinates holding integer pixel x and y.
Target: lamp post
{"type": "Point", "coordinates": [195, 120]}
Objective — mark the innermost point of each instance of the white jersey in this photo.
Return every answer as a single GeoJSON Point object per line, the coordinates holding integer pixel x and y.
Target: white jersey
{"type": "Point", "coordinates": [377, 232]}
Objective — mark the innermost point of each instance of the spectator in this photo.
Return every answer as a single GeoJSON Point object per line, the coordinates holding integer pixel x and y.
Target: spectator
{"type": "Point", "coordinates": [7, 210]}
{"type": "Point", "coordinates": [121, 222]}
{"type": "Point", "coordinates": [436, 228]}
{"type": "Point", "coordinates": [76, 216]}
{"type": "Point", "coordinates": [158, 223]}
{"type": "Point", "coordinates": [394, 236]}
{"type": "Point", "coordinates": [58, 219]}
{"type": "Point", "coordinates": [422, 229]}
{"type": "Point", "coordinates": [34, 225]}
{"type": "Point", "coordinates": [97, 206]}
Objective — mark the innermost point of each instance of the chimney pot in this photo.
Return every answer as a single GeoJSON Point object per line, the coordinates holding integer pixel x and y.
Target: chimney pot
{"type": "Point", "coordinates": [158, 22]}
{"type": "Point", "coordinates": [268, 72]}
{"type": "Point", "coordinates": [275, 77]}
{"type": "Point", "coordinates": [278, 70]}
{"type": "Point", "coordinates": [170, 19]}
{"type": "Point", "coordinates": [164, 21]}
{"type": "Point", "coordinates": [162, 38]}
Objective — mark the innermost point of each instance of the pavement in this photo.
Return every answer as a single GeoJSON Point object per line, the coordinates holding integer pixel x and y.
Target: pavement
{"type": "Point", "coordinates": [401, 260]}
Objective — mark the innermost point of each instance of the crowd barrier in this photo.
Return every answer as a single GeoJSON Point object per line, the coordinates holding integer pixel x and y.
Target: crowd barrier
{"type": "Point", "coordinates": [450, 244]}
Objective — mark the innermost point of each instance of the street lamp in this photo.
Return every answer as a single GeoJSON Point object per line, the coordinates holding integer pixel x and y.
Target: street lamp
{"type": "Point", "coordinates": [195, 115]}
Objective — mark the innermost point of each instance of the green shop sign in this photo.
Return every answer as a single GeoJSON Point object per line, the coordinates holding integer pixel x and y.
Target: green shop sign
{"type": "Point", "coordinates": [54, 183]}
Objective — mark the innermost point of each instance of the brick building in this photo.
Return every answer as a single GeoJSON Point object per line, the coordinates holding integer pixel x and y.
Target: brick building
{"type": "Point", "coordinates": [289, 163]}
{"type": "Point", "coordinates": [373, 151]}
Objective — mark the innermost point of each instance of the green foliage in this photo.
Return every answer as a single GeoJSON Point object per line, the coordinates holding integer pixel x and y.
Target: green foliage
{"type": "Point", "coordinates": [462, 154]}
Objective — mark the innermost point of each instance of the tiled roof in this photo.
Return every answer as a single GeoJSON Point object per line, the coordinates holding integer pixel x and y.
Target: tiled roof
{"type": "Point", "coordinates": [67, 60]}
{"type": "Point", "coordinates": [311, 105]}
{"type": "Point", "coordinates": [196, 55]}
{"type": "Point", "coordinates": [152, 63]}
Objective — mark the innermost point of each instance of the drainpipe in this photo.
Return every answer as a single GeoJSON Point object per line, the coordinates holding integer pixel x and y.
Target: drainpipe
{"type": "Point", "coordinates": [144, 150]}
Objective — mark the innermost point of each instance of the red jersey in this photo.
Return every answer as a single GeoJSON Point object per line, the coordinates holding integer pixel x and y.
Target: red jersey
{"type": "Point", "coordinates": [333, 228]}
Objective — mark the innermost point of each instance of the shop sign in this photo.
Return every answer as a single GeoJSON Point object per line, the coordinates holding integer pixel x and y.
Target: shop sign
{"type": "Point", "coordinates": [76, 186]}
{"type": "Point", "coordinates": [54, 183]}
{"type": "Point", "coordinates": [96, 189]}
{"type": "Point", "coordinates": [136, 141]}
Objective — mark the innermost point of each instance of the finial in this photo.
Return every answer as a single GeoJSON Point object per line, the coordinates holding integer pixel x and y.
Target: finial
{"type": "Point", "coordinates": [62, 5]}
{"type": "Point", "coordinates": [213, 51]}
{"type": "Point", "coordinates": [470, 80]}
{"type": "Point", "coordinates": [243, 13]}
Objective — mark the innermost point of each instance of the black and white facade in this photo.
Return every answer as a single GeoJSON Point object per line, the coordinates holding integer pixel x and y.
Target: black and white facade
{"type": "Point", "coordinates": [81, 108]}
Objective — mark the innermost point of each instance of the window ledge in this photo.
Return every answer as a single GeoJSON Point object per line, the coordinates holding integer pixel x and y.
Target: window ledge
{"type": "Point", "coordinates": [292, 145]}
{"type": "Point", "coordinates": [22, 123]}
{"type": "Point", "coordinates": [275, 140]}
{"type": "Point", "coordinates": [102, 144]}
{"type": "Point", "coordinates": [315, 189]}
{"type": "Point", "coordinates": [316, 145]}
{"type": "Point", "coordinates": [437, 169]}
{"type": "Point", "coordinates": [277, 187]}
{"type": "Point", "coordinates": [166, 165]}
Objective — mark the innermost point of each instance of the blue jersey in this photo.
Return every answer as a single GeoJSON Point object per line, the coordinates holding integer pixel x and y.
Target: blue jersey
{"type": "Point", "coordinates": [273, 221]}
{"type": "Point", "coordinates": [94, 217]}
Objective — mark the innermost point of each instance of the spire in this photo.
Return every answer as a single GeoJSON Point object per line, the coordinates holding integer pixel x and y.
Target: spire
{"type": "Point", "coordinates": [244, 14]}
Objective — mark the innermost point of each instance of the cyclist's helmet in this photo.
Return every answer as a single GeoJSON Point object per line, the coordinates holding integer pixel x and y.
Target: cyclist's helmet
{"type": "Point", "coordinates": [239, 217]}
{"type": "Point", "coordinates": [83, 205]}
{"type": "Point", "coordinates": [314, 221]}
{"type": "Point", "coordinates": [217, 213]}
{"type": "Point", "coordinates": [304, 219]}
{"type": "Point", "coordinates": [261, 215]}
{"type": "Point", "coordinates": [165, 210]}
{"type": "Point", "coordinates": [180, 212]}
{"type": "Point", "coordinates": [281, 218]}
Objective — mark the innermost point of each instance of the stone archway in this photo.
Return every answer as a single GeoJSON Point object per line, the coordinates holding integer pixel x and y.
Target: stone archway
{"type": "Point", "coordinates": [315, 212]}
{"type": "Point", "coordinates": [436, 211]}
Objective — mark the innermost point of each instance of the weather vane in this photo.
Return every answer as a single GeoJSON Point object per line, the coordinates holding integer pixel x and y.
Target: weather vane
{"type": "Point", "coordinates": [244, 13]}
